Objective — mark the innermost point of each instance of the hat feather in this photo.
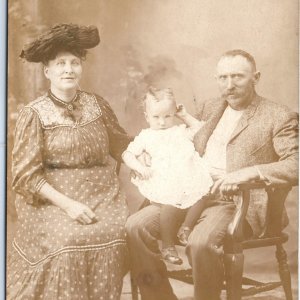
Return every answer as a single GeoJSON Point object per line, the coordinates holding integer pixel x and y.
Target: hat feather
{"type": "Point", "coordinates": [61, 37]}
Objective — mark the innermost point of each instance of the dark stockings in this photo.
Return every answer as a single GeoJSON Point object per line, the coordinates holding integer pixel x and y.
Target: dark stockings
{"type": "Point", "coordinates": [170, 220]}
{"type": "Point", "coordinates": [194, 213]}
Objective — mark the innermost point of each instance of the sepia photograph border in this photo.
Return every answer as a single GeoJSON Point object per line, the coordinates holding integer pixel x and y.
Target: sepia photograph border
{"type": "Point", "coordinates": [140, 69]}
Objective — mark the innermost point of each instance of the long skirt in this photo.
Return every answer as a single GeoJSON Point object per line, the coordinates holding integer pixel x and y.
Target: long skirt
{"type": "Point", "coordinates": [55, 257]}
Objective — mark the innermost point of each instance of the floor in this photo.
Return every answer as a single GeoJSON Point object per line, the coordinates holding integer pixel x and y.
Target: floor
{"type": "Point", "coordinates": [185, 291]}
{"type": "Point", "coordinates": [254, 270]}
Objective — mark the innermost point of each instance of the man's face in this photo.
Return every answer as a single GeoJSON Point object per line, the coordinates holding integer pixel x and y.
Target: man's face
{"type": "Point", "coordinates": [236, 79]}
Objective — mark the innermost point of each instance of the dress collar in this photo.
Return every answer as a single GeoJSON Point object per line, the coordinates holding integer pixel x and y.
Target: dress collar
{"type": "Point", "coordinates": [72, 109]}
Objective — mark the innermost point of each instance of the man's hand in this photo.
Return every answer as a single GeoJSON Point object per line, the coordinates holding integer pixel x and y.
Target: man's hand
{"type": "Point", "coordinates": [228, 184]}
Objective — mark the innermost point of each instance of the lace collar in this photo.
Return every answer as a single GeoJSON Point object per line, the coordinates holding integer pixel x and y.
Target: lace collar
{"type": "Point", "coordinates": [72, 109]}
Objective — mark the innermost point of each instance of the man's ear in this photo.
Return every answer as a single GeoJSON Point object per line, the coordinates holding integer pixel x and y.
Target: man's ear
{"type": "Point", "coordinates": [46, 71]}
{"type": "Point", "coordinates": [256, 77]}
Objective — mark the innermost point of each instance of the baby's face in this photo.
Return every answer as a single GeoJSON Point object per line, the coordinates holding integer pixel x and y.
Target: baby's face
{"type": "Point", "coordinates": [160, 115]}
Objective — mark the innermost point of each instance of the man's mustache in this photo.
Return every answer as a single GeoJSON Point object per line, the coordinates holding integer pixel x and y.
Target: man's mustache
{"type": "Point", "coordinates": [229, 93]}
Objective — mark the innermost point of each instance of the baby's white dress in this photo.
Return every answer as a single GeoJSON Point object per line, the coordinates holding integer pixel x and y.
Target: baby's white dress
{"type": "Point", "coordinates": [180, 176]}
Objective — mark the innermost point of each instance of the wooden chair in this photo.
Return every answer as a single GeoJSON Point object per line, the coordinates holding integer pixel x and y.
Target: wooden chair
{"type": "Point", "coordinates": [235, 244]}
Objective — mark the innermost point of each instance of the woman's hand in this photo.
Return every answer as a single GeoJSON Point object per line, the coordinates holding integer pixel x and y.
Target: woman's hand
{"type": "Point", "coordinates": [75, 210]}
{"type": "Point", "coordinates": [80, 212]}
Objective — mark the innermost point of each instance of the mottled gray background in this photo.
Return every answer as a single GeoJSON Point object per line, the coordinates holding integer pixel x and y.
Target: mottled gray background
{"type": "Point", "coordinates": [174, 43]}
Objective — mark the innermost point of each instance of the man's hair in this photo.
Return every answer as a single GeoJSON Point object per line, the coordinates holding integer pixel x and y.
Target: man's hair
{"type": "Point", "coordinates": [239, 52]}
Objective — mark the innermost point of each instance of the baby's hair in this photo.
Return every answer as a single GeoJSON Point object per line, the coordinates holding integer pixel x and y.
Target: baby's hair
{"type": "Point", "coordinates": [158, 95]}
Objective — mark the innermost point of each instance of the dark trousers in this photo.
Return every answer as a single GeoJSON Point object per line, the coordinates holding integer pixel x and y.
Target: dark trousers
{"type": "Point", "coordinates": [204, 252]}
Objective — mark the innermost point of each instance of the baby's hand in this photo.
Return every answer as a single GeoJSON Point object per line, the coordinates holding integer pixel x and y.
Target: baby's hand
{"type": "Point", "coordinates": [145, 159]}
{"type": "Point", "coordinates": [144, 173]}
{"type": "Point", "coordinates": [181, 111]}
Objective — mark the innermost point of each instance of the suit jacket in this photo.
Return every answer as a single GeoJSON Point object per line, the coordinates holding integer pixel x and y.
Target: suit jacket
{"type": "Point", "coordinates": [266, 137]}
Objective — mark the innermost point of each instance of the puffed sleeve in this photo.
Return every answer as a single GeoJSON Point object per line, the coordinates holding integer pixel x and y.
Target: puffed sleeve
{"type": "Point", "coordinates": [27, 159]}
{"type": "Point", "coordinates": [137, 146]}
{"type": "Point", "coordinates": [118, 138]}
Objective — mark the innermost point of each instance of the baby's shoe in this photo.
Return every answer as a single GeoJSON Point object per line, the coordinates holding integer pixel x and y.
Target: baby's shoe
{"type": "Point", "coordinates": [183, 234]}
{"type": "Point", "coordinates": [170, 255]}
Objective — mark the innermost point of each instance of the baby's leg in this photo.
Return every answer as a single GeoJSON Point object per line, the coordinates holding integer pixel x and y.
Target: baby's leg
{"type": "Point", "coordinates": [170, 219]}
{"type": "Point", "coordinates": [190, 221]}
{"type": "Point", "coordinates": [193, 213]}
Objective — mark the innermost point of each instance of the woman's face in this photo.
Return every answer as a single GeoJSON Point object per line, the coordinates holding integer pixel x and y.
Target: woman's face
{"type": "Point", "coordinates": [64, 72]}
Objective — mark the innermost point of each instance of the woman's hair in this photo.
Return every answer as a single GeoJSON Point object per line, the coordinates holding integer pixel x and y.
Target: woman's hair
{"type": "Point", "coordinates": [80, 53]}
{"type": "Point", "coordinates": [158, 95]}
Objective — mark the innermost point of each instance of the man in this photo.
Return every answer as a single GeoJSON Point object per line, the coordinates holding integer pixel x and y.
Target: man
{"type": "Point", "coordinates": [246, 137]}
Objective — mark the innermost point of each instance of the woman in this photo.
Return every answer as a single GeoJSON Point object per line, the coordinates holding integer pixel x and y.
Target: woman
{"type": "Point", "coordinates": [70, 240]}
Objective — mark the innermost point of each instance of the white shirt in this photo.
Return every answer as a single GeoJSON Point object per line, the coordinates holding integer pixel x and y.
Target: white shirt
{"type": "Point", "coordinates": [215, 153]}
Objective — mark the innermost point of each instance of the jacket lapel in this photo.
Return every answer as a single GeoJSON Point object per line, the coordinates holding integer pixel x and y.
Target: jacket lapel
{"type": "Point", "coordinates": [247, 115]}
{"type": "Point", "coordinates": [202, 136]}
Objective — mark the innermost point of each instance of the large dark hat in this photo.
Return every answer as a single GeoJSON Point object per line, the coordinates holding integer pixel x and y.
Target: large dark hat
{"type": "Point", "coordinates": [61, 37]}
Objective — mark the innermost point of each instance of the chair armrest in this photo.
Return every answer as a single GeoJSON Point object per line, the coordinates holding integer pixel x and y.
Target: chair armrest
{"type": "Point", "coordinates": [251, 185]}
{"type": "Point", "coordinates": [235, 228]}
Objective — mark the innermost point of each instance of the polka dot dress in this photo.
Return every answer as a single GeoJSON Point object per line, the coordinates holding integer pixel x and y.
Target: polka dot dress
{"type": "Point", "coordinates": [53, 256]}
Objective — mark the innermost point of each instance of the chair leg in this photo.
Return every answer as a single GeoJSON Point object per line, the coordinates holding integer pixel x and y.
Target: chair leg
{"type": "Point", "coordinates": [284, 272]}
{"type": "Point", "coordinates": [234, 265]}
{"type": "Point", "coordinates": [134, 288]}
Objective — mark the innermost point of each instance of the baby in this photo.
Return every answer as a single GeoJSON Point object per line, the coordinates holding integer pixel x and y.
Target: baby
{"type": "Point", "coordinates": [178, 177]}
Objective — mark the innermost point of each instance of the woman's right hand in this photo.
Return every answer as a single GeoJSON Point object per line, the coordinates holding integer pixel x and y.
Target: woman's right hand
{"type": "Point", "coordinates": [75, 210]}
{"type": "Point", "coordinates": [80, 212]}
